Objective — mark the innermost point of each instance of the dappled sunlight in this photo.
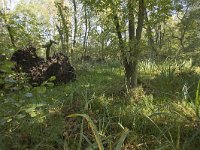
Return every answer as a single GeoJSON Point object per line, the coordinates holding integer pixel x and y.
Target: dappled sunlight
{"type": "Point", "coordinates": [106, 74]}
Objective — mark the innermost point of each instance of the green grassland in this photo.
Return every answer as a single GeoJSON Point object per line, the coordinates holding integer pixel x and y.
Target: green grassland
{"type": "Point", "coordinates": [97, 112]}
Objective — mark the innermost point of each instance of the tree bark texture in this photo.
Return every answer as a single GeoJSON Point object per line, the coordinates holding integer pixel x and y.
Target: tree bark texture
{"type": "Point", "coordinates": [131, 68]}
{"type": "Point", "coordinates": [85, 35]}
{"type": "Point", "coordinates": [151, 42]}
{"type": "Point", "coordinates": [75, 23]}
{"type": "Point", "coordinates": [75, 29]}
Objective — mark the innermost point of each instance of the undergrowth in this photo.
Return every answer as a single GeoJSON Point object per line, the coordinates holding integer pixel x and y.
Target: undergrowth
{"type": "Point", "coordinates": [156, 115]}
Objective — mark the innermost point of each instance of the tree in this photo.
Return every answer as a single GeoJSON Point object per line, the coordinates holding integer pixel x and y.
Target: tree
{"type": "Point", "coordinates": [130, 58]}
{"type": "Point", "coordinates": [5, 16]}
{"type": "Point", "coordinates": [63, 27]}
{"type": "Point", "coordinates": [86, 31]}
{"type": "Point", "coordinates": [75, 26]}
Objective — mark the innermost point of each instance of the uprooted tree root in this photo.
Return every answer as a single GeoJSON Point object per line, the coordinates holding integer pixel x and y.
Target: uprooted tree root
{"type": "Point", "coordinates": [39, 70]}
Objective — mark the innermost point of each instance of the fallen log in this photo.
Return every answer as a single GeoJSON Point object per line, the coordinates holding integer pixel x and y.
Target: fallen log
{"type": "Point", "coordinates": [39, 70]}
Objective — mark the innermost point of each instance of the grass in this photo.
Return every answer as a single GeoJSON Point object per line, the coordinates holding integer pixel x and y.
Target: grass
{"type": "Point", "coordinates": [153, 116]}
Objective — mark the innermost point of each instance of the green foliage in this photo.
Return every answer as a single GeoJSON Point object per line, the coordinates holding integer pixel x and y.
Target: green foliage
{"type": "Point", "coordinates": [158, 114]}
{"type": "Point", "coordinates": [93, 127]}
{"type": "Point", "coordinates": [122, 138]}
{"type": "Point", "coordinates": [197, 100]}
{"type": "Point", "coordinates": [96, 133]}
{"type": "Point", "coordinates": [100, 94]}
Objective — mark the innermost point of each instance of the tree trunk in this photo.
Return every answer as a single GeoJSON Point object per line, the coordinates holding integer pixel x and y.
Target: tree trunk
{"type": "Point", "coordinates": [130, 62]}
{"type": "Point", "coordinates": [61, 37]}
{"type": "Point", "coordinates": [75, 30]}
{"type": "Point", "coordinates": [131, 65]}
{"type": "Point", "coordinates": [134, 42]}
{"type": "Point", "coordinates": [102, 44]}
{"type": "Point", "coordinates": [48, 48]}
{"type": "Point", "coordinates": [11, 36]}
{"type": "Point", "coordinates": [64, 23]}
{"type": "Point", "coordinates": [75, 23]}
{"type": "Point", "coordinates": [86, 30]}
{"type": "Point", "coordinates": [153, 50]}
{"type": "Point", "coordinates": [182, 37]}
{"type": "Point", "coordinates": [162, 34]}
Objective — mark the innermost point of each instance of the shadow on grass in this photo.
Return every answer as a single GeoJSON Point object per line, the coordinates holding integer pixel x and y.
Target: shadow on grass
{"type": "Point", "coordinates": [169, 86]}
{"type": "Point", "coordinates": [102, 80]}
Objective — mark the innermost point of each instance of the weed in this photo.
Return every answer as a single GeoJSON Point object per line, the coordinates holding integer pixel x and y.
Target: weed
{"type": "Point", "coordinates": [36, 118]}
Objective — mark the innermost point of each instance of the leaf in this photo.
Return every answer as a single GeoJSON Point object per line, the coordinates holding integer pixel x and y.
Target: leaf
{"type": "Point", "coordinates": [40, 89]}
{"type": "Point", "coordinates": [50, 84]}
{"type": "Point", "coordinates": [9, 120]}
{"type": "Point", "coordinates": [33, 114]}
{"type": "Point", "coordinates": [29, 110]}
{"type": "Point", "coordinates": [52, 78]}
{"type": "Point", "coordinates": [20, 116]}
{"type": "Point", "coordinates": [7, 66]}
{"type": "Point", "coordinates": [29, 95]}
{"type": "Point", "coordinates": [122, 138]}
{"type": "Point", "coordinates": [93, 127]}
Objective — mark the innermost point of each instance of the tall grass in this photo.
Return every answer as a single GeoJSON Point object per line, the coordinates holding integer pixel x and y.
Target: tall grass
{"type": "Point", "coordinates": [197, 100]}
{"type": "Point", "coordinates": [153, 121]}
{"type": "Point", "coordinates": [99, 142]}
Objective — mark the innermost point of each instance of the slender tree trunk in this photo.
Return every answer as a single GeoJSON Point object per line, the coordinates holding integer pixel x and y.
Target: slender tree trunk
{"type": "Point", "coordinates": [85, 35]}
{"type": "Point", "coordinates": [131, 65]}
{"type": "Point", "coordinates": [89, 28]}
{"type": "Point", "coordinates": [182, 44]}
{"type": "Point", "coordinates": [121, 42]}
{"type": "Point", "coordinates": [102, 50]}
{"type": "Point", "coordinates": [48, 48]}
{"type": "Point", "coordinates": [75, 23]}
{"type": "Point", "coordinates": [150, 37]}
{"type": "Point", "coordinates": [48, 52]}
{"type": "Point", "coordinates": [102, 45]}
{"type": "Point", "coordinates": [64, 24]}
{"type": "Point", "coordinates": [157, 35]}
{"type": "Point", "coordinates": [161, 37]}
{"type": "Point", "coordinates": [140, 21]}
{"type": "Point", "coordinates": [61, 37]}
{"type": "Point", "coordinates": [184, 29]}
{"type": "Point", "coordinates": [75, 30]}
{"type": "Point", "coordinates": [11, 36]}
{"type": "Point", "coordinates": [183, 37]}
{"type": "Point", "coordinates": [181, 40]}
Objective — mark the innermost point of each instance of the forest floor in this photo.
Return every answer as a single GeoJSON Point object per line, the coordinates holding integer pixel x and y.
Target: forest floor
{"type": "Point", "coordinates": [162, 113]}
